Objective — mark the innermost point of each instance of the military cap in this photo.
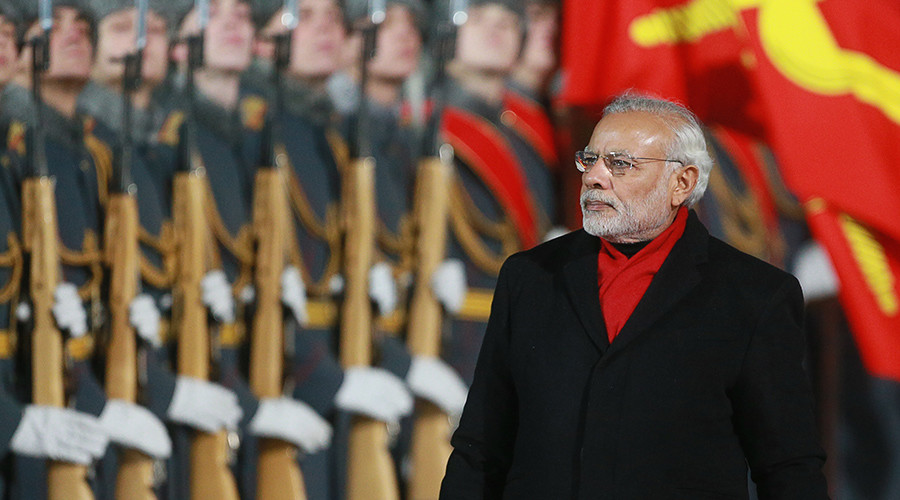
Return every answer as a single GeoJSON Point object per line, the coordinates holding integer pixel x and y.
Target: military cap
{"type": "Point", "coordinates": [358, 9]}
{"type": "Point", "coordinates": [10, 13]}
{"type": "Point", "coordinates": [29, 9]}
{"type": "Point", "coordinates": [263, 10]}
{"type": "Point", "coordinates": [103, 8]}
{"type": "Point", "coordinates": [177, 11]}
{"type": "Point", "coordinates": [440, 13]}
{"type": "Point", "coordinates": [441, 9]}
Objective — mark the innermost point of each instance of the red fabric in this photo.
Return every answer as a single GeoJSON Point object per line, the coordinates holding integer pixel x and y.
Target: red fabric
{"type": "Point", "coordinates": [674, 48]}
{"type": "Point", "coordinates": [829, 89]}
{"type": "Point", "coordinates": [841, 143]}
{"type": "Point", "coordinates": [868, 267]}
{"type": "Point", "coordinates": [624, 281]}
{"type": "Point", "coordinates": [485, 151]}
{"type": "Point", "coordinates": [533, 124]}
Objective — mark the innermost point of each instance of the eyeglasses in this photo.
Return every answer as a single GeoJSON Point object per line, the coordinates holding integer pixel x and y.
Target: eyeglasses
{"type": "Point", "coordinates": [617, 163]}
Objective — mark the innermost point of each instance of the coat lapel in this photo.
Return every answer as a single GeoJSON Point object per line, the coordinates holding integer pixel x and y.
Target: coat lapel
{"type": "Point", "coordinates": [676, 277]}
{"type": "Point", "coordinates": [581, 282]}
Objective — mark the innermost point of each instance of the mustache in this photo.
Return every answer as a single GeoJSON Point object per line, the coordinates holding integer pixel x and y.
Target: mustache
{"type": "Point", "coordinates": [596, 195]}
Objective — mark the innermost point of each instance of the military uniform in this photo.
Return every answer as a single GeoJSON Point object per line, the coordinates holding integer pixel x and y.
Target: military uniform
{"type": "Point", "coordinates": [746, 203]}
{"type": "Point", "coordinates": [11, 272]}
{"type": "Point", "coordinates": [151, 171]}
{"type": "Point", "coordinates": [501, 202]}
{"type": "Point", "coordinates": [226, 148]}
{"type": "Point", "coordinates": [308, 142]}
{"type": "Point", "coordinates": [73, 156]}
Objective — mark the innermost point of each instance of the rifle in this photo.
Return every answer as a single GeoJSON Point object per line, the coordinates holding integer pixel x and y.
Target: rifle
{"type": "Point", "coordinates": [135, 475]}
{"type": "Point", "coordinates": [278, 475]}
{"type": "Point", "coordinates": [40, 235]}
{"type": "Point", "coordinates": [430, 447]}
{"type": "Point", "coordinates": [370, 471]}
{"type": "Point", "coordinates": [210, 474]}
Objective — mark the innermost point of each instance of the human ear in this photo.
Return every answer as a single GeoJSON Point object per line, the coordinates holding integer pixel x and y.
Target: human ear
{"type": "Point", "coordinates": [685, 182]}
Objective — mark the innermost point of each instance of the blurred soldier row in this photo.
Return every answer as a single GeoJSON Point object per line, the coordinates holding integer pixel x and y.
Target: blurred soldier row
{"type": "Point", "coordinates": [178, 114]}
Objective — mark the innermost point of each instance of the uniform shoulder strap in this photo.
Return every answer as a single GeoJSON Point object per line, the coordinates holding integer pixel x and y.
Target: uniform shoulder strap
{"type": "Point", "coordinates": [486, 152]}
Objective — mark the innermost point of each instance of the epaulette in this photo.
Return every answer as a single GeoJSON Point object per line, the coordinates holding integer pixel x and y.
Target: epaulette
{"type": "Point", "coordinates": [15, 138]}
{"type": "Point", "coordinates": [168, 133]}
{"type": "Point", "coordinates": [253, 112]}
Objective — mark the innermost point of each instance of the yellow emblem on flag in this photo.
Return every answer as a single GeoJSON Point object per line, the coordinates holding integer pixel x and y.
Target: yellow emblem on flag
{"type": "Point", "coordinates": [797, 39]}
{"type": "Point", "coordinates": [685, 23]}
{"type": "Point", "coordinates": [873, 263]}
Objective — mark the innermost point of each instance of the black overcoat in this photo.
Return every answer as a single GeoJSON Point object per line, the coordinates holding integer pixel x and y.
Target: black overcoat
{"type": "Point", "coordinates": [704, 379]}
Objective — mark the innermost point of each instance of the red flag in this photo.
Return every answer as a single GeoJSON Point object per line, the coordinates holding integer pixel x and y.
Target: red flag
{"type": "Point", "coordinates": [868, 267]}
{"type": "Point", "coordinates": [828, 76]}
{"type": "Point", "coordinates": [678, 49]}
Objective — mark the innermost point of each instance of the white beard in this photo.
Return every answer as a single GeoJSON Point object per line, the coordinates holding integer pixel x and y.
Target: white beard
{"type": "Point", "coordinates": [634, 222]}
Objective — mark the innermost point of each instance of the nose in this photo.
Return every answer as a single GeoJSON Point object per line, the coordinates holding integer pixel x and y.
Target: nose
{"type": "Point", "coordinates": [598, 177]}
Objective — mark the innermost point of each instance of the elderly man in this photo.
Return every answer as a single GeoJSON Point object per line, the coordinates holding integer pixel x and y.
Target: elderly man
{"type": "Point", "coordinates": [640, 357]}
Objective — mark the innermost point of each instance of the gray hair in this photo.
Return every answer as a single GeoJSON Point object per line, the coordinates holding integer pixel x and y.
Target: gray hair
{"type": "Point", "coordinates": [689, 145]}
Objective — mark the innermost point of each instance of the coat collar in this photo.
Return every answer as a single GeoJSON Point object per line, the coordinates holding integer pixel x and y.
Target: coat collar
{"type": "Point", "coordinates": [677, 276]}
{"type": "Point", "coordinates": [581, 279]}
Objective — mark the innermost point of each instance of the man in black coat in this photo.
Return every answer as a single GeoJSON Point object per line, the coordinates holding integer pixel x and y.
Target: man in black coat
{"type": "Point", "coordinates": [640, 358]}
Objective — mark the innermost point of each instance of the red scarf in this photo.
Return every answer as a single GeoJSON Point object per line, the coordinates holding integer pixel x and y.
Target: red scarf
{"type": "Point", "coordinates": [624, 281]}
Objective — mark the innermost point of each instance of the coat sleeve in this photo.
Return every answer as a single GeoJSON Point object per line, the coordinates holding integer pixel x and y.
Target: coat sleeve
{"type": "Point", "coordinates": [483, 443]}
{"type": "Point", "coordinates": [773, 404]}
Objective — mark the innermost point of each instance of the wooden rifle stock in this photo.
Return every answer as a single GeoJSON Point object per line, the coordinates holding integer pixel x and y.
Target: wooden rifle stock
{"type": "Point", "coordinates": [370, 471]}
{"type": "Point", "coordinates": [278, 475]}
{"type": "Point", "coordinates": [135, 476]}
{"type": "Point", "coordinates": [431, 430]}
{"type": "Point", "coordinates": [64, 480]}
{"type": "Point", "coordinates": [210, 475]}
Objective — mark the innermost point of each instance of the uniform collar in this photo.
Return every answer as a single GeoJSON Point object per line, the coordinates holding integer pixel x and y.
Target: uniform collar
{"type": "Point", "coordinates": [211, 116]}
{"type": "Point", "coordinates": [458, 97]}
{"type": "Point", "coordinates": [106, 106]}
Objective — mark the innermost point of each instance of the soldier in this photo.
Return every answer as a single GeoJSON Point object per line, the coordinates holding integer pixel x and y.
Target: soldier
{"type": "Point", "coordinates": [73, 156]}
{"type": "Point", "coordinates": [527, 101]}
{"type": "Point", "coordinates": [502, 200]}
{"type": "Point", "coordinates": [30, 430]}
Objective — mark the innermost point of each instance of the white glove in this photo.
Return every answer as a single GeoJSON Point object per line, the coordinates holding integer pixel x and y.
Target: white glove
{"type": "Point", "coordinates": [144, 317]}
{"type": "Point", "coordinates": [382, 288]}
{"type": "Point", "coordinates": [204, 405]}
{"type": "Point", "coordinates": [813, 269]}
{"type": "Point", "coordinates": [555, 232]}
{"type": "Point", "coordinates": [68, 309]}
{"type": "Point", "coordinates": [449, 284]}
{"type": "Point", "coordinates": [59, 434]}
{"type": "Point", "coordinates": [217, 296]}
{"type": "Point", "coordinates": [134, 426]}
{"type": "Point", "coordinates": [374, 392]}
{"type": "Point", "coordinates": [432, 379]}
{"type": "Point", "coordinates": [293, 294]}
{"type": "Point", "coordinates": [292, 421]}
